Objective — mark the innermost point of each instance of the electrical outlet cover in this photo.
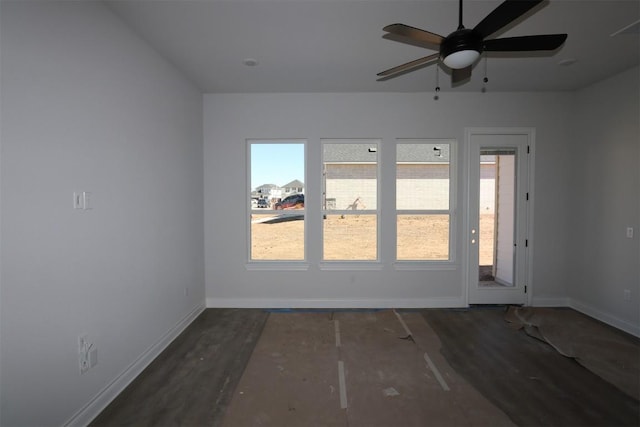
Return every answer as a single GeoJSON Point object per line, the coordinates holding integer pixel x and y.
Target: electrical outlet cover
{"type": "Point", "coordinates": [82, 343]}
{"type": "Point", "coordinates": [84, 363]}
{"type": "Point", "coordinates": [93, 357]}
{"type": "Point", "coordinates": [83, 350]}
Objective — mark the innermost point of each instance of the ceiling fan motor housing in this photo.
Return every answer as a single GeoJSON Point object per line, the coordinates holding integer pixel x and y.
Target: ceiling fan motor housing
{"type": "Point", "coordinates": [463, 39]}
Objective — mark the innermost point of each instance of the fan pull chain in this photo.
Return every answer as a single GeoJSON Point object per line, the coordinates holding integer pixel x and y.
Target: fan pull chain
{"type": "Point", "coordinates": [485, 79]}
{"type": "Point", "coordinates": [436, 96]}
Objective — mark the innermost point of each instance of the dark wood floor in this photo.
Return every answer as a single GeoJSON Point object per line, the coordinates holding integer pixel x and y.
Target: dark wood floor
{"type": "Point", "coordinates": [528, 379]}
{"type": "Point", "coordinates": [193, 381]}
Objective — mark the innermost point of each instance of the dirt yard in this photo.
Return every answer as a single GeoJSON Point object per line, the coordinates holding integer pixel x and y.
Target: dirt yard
{"type": "Point", "coordinates": [354, 238]}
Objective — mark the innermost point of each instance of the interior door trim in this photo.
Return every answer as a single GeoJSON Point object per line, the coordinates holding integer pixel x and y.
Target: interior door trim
{"type": "Point", "coordinates": [531, 134]}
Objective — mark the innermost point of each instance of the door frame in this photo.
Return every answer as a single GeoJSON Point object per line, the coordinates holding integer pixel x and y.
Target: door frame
{"type": "Point", "coordinates": [529, 210]}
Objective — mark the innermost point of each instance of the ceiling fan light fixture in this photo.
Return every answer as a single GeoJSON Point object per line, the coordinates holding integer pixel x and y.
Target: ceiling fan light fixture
{"type": "Point", "coordinates": [461, 48]}
{"type": "Point", "coordinates": [461, 59]}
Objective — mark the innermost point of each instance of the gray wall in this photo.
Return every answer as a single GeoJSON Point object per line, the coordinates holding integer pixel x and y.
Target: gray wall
{"type": "Point", "coordinates": [586, 194]}
{"type": "Point", "coordinates": [232, 118]}
{"type": "Point", "coordinates": [87, 106]}
{"type": "Point", "coordinates": [606, 200]}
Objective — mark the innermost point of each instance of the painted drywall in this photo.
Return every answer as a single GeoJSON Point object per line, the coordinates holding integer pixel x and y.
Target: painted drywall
{"type": "Point", "coordinates": [87, 106]}
{"type": "Point", "coordinates": [606, 200]}
{"type": "Point", "coordinates": [230, 119]}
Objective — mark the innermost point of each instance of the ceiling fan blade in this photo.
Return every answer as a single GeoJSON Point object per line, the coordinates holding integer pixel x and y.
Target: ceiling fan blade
{"type": "Point", "coordinates": [460, 74]}
{"type": "Point", "coordinates": [405, 68]}
{"type": "Point", "coordinates": [411, 42]}
{"type": "Point", "coordinates": [504, 14]}
{"type": "Point", "coordinates": [414, 33]}
{"type": "Point", "coordinates": [525, 43]}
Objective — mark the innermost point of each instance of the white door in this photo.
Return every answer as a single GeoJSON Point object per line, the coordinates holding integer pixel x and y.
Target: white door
{"type": "Point", "coordinates": [499, 204]}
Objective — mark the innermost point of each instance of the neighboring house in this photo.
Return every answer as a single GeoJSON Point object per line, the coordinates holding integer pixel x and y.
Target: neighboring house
{"type": "Point", "coordinates": [351, 172]}
{"type": "Point", "coordinates": [487, 184]}
{"type": "Point", "coordinates": [294, 187]}
{"type": "Point", "coordinates": [350, 176]}
{"type": "Point", "coordinates": [267, 191]}
{"type": "Point", "coordinates": [273, 192]}
{"type": "Point", "coordinates": [422, 175]}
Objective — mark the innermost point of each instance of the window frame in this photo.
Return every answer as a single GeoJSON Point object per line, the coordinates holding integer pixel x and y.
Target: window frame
{"type": "Point", "coordinates": [349, 264]}
{"type": "Point", "coordinates": [388, 254]}
{"type": "Point", "coordinates": [274, 264]}
{"type": "Point", "coordinates": [451, 262]}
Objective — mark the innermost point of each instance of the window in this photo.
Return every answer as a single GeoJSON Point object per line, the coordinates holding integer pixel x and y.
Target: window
{"type": "Point", "coordinates": [350, 200]}
{"type": "Point", "coordinates": [276, 200]}
{"type": "Point", "coordinates": [350, 203]}
{"type": "Point", "coordinates": [423, 200]}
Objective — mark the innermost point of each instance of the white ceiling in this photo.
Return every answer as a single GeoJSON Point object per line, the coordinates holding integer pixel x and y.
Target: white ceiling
{"type": "Point", "coordinates": [337, 45]}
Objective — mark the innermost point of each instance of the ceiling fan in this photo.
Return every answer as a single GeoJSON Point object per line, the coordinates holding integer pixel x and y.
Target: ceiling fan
{"type": "Point", "coordinates": [460, 49]}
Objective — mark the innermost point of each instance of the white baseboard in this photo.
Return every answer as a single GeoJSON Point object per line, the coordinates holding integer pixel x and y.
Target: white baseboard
{"type": "Point", "coordinates": [607, 318]}
{"type": "Point", "coordinates": [100, 401]}
{"type": "Point", "coordinates": [550, 302]}
{"type": "Point", "coordinates": [590, 311]}
{"type": "Point", "coordinates": [451, 302]}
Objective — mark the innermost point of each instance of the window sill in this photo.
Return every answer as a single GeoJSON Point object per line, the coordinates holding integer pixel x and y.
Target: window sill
{"type": "Point", "coordinates": [276, 266]}
{"type": "Point", "coordinates": [425, 265]}
{"type": "Point", "coordinates": [350, 266]}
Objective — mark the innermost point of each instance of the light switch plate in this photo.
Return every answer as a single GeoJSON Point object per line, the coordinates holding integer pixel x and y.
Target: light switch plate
{"type": "Point", "coordinates": [78, 200]}
{"type": "Point", "coordinates": [86, 200]}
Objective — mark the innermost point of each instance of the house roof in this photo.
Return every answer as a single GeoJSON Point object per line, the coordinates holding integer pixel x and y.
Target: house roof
{"type": "Point", "coordinates": [436, 152]}
{"type": "Point", "coordinates": [266, 187]}
{"type": "Point", "coordinates": [409, 152]}
{"type": "Point", "coordinates": [350, 153]}
{"type": "Point", "coordinates": [294, 184]}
